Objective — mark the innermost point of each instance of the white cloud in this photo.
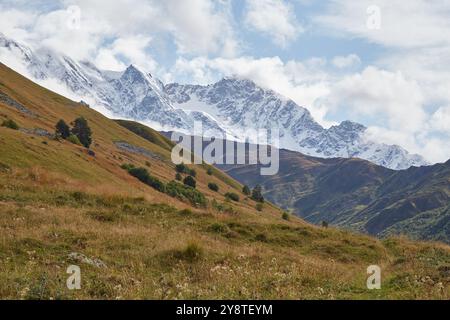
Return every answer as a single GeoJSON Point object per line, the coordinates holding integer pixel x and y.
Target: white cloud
{"type": "Point", "coordinates": [403, 24]}
{"type": "Point", "coordinates": [349, 61]}
{"type": "Point", "coordinates": [132, 49]}
{"type": "Point", "coordinates": [410, 84]}
{"type": "Point", "coordinates": [383, 95]}
{"type": "Point", "coordinates": [274, 18]}
{"type": "Point", "coordinates": [111, 29]}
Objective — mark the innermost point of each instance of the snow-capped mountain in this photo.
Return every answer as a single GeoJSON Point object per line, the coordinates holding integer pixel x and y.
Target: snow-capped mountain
{"type": "Point", "coordinates": [240, 104]}
{"type": "Point", "coordinates": [231, 106]}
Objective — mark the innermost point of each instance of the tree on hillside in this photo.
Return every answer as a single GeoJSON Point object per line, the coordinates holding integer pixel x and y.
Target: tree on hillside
{"type": "Point", "coordinates": [62, 129]}
{"type": "Point", "coordinates": [82, 131]}
{"type": "Point", "coordinates": [246, 190]}
{"type": "Point", "coordinates": [190, 181]}
{"type": "Point", "coordinates": [257, 194]}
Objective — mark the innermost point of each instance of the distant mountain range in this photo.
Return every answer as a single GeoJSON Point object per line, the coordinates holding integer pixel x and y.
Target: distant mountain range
{"type": "Point", "coordinates": [356, 194]}
{"type": "Point", "coordinates": [231, 106]}
{"type": "Point", "coordinates": [359, 195]}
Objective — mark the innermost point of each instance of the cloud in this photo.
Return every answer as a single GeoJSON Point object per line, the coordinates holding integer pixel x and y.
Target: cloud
{"type": "Point", "coordinates": [129, 50]}
{"type": "Point", "coordinates": [107, 30]}
{"type": "Point", "coordinates": [403, 24]}
{"type": "Point", "coordinates": [349, 61]}
{"type": "Point", "coordinates": [274, 18]}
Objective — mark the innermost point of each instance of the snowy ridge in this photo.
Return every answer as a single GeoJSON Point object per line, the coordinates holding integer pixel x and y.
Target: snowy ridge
{"type": "Point", "coordinates": [231, 106]}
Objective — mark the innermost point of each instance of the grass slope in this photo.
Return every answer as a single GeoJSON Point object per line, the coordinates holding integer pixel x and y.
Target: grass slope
{"type": "Point", "coordinates": [61, 206]}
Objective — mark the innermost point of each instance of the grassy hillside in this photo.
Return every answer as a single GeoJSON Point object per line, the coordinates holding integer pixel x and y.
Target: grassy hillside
{"type": "Point", "coordinates": [62, 205]}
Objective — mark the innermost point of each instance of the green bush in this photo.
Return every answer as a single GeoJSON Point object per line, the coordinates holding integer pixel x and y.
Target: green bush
{"type": "Point", "coordinates": [232, 196]}
{"type": "Point", "coordinates": [191, 253]}
{"type": "Point", "coordinates": [181, 168]}
{"type": "Point", "coordinates": [11, 124]}
{"type": "Point", "coordinates": [178, 177]}
{"type": "Point", "coordinates": [74, 139]}
{"type": "Point", "coordinates": [186, 193]}
{"type": "Point", "coordinates": [224, 207]}
{"type": "Point", "coordinates": [285, 216]}
{"type": "Point", "coordinates": [127, 166]}
{"type": "Point", "coordinates": [140, 173]}
{"type": "Point", "coordinates": [218, 228]}
{"type": "Point", "coordinates": [209, 172]}
{"type": "Point", "coordinates": [246, 190]}
{"type": "Point", "coordinates": [156, 184]}
{"type": "Point", "coordinates": [190, 181]}
{"type": "Point", "coordinates": [143, 176]}
{"type": "Point", "coordinates": [213, 186]}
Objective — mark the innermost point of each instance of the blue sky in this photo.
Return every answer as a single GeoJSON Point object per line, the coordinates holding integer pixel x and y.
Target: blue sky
{"type": "Point", "coordinates": [385, 64]}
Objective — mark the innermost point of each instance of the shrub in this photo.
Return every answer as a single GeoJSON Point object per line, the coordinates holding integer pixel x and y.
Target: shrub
{"type": "Point", "coordinates": [191, 253]}
{"type": "Point", "coordinates": [232, 196]}
{"type": "Point", "coordinates": [246, 190]}
{"type": "Point", "coordinates": [224, 207]}
{"type": "Point", "coordinates": [259, 207]}
{"type": "Point", "coordinates": [143, 176]}
{"type": "Point", "coordinates": [181, 168]}
{"type": "Point", "coordinates": [156, 184]}
{"type": "Point", "coordinates": [178, 177]}
{"type": "Point", "coordinates": [190, 181]}
{"type": "Point", "coordinates": [140, 173]}
{"type": "Point", "coordinates": [148, 164]}
{"type": "Point", "coordinates": [285, 216]}
{"type": "Point", "coordinates": [11, 124]}
{"type": "Point", "coordinates": [209, 172]}
{"type": "Point", "coordinates": [183, 192]}
{"type": "Point", "coordinates": [257, 194]}
{"type": "Point", "coordinates": [82, 131]}
{"type": "Point", "coordinates": [127, 166]}
{"type": "Point", "coordinates": [218, 228]}
{"type": "Point", "coordinates": [324, 224]}
{"type": "Point", "coordinates": [74, 139]}
{"type": "Point", "coordinates": [62, 129]}
{"type": "Point", "coordinates": [213, 186]}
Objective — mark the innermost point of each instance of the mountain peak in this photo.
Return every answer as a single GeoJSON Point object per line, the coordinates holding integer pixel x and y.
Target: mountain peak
{"type": "Point", "coordinates": [350, 125]}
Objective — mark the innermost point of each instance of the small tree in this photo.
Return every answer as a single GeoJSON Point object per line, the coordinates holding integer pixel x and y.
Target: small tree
{"type": "Point", "coordinates": [324, 224]}
{"type": "Point", "coordinates": [246, 190]}
{"type": "Point", "coordinates": [178, 177]}
{"type": "Point", "coordinates": [190, 181]}
{"type": "Point", "coordinates": [285, 216]}
{"type": "Point", "coordinates": [257, 194]}
{"type": "Point", "coordinates": [62, 129]}
{"type": "Point", "coordinates": [209, 172]}
{"type": "Point", "coordinates": [181, 168]}
{"type": "Point", "coordinates": [213, 186]}
{"type": "Point", "coordinates": [82, 131]}
{"type": "Point", "coordinates": [232, 196]}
